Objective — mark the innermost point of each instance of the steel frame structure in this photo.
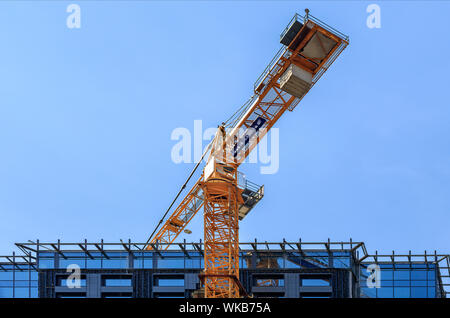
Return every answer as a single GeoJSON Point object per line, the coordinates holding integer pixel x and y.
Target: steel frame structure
{"type": "Point", "coordinates": [441, 260]}
{"type": "Point", "coordinates": [32, 249]}
{"type": "Point", "coordinates": [219, 195]}
{"type": "Point", "coordinates": [221, 233]}
{"type": "Point", "coordinates": [361, 256]}
{"type": "Point", "coordinates": [269, 102]}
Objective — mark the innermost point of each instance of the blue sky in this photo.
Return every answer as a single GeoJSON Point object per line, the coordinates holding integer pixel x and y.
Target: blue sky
{"type": "Point", "coordinates": [86, 117]}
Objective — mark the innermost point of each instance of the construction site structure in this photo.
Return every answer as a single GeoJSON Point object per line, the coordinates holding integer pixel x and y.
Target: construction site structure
{"type": "Point", "coordinates": [309, 48]}
{"type": "Point", "coordinates": [289, 269]}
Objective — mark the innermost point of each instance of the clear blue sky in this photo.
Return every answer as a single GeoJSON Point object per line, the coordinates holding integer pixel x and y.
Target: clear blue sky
{"type": "Point", "coordinates": [86, 117]}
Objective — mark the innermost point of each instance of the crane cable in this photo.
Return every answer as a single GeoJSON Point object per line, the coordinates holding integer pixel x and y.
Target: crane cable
{"type": "Point", "coordinates": [238, 114]}
{"type": "Point", "coordinates": [179, 192]}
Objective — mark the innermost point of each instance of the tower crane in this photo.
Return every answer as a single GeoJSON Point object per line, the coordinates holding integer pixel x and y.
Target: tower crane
{"type": "Point", "coordinates": [309, 47]}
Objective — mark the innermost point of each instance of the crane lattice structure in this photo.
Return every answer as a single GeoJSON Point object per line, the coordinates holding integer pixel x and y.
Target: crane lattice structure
{"type": "Point", "coordinates": [309, 48]}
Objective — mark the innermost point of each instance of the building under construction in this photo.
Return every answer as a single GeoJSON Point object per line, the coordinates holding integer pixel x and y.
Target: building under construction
{"type": "Point", "coordinates": [220, 266]}
{"type": "Point", "coordinates": [267, 269]}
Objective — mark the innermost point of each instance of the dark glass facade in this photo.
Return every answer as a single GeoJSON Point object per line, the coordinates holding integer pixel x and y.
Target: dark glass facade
{"type": "Point", "coordinates": [19, 280]}
{"type": "Point", "coordinates": [403, 280]}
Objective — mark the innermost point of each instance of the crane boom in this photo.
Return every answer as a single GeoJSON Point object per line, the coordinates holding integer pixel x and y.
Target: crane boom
{"type": "Point", "coordinates": [180, 217]}
{"type": "Point", "coordinates": [309, 48]}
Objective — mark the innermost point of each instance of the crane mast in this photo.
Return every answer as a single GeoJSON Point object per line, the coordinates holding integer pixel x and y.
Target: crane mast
{"type": "Point", "coordinates": [309, 48]}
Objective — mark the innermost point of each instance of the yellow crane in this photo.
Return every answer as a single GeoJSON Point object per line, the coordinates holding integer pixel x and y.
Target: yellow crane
{"type": "Point", "coordinates": [309, 48]}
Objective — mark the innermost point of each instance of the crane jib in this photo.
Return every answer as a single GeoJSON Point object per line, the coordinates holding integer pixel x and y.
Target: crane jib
{"type": "Point", "coordinates": [309, 48]}
{"type": "Point", "coordinates": [243, 141]}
